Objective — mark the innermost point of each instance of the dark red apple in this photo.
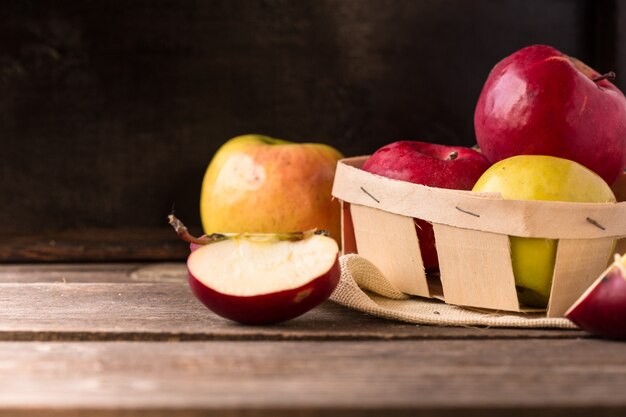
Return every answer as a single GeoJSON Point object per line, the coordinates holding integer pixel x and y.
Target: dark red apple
{"type": "Point", "coordinates": [601, 310]}
{"type": "Point", "coordinates": [539, 101]}
{"type": "Point", "coordinates": [430, 164]}
{"type": "Point", "coordinates": [256, 279]}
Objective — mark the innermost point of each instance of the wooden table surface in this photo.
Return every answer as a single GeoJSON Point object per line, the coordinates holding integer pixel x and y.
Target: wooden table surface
{"type": "Point", "coordinates": [130, 339]}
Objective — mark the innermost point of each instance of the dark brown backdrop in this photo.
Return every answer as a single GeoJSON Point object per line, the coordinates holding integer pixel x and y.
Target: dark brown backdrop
{"type": "Point", "coordinates": [110, 110]}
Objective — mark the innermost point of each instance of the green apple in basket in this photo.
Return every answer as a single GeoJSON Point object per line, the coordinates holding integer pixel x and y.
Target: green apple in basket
{"type": "Point", "coordinates": [538, 177]}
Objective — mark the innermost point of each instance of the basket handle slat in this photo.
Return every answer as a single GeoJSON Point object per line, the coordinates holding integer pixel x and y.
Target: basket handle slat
{"type": "Point", "coordinates": [485, 212]}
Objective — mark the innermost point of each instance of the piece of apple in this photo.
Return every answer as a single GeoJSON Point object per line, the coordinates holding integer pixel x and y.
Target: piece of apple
{"type": "Point", "coordinates": [540, 101]}
{"type": "Point", "coordinates": [259, 184]}
{"type": "Point", "coordinates": [538, 177]}
{"type": "Point", "coordinates": [261, 278]}
{"type": "Point", "coordinates": [601, 309]}
{"type": "Point", "coordinates": [434, 165]}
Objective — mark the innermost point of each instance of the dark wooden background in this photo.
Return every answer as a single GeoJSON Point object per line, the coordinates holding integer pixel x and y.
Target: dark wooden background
{"type": "Point", "coordinates": [110, 110]}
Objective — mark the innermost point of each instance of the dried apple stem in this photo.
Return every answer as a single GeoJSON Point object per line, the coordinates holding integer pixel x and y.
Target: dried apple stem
{"type": "Point", "coordinates": [608, 76]}
{"type": "Point", "coordinates": [184, 234]}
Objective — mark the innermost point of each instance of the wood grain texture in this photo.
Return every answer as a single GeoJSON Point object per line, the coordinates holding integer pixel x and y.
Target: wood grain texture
{"type": "Point", "coordinates": [486, 212]}
{"type": "Point", "coordinates": [125, 272]}
{"type": "Point", "coordinates": [153, 302]}
{"type": "Point", "coordinates": [110, 111]}
{"type": "Point", "coordinates": [390, 242]}
{"type": "Point", "coordinates": [576, 268]}
{"type": "Point", "coordinates": [91, 245]}
{"type": "Point", "coordinates": [71, 272]}
{"type": "Point", "coordinates": [434, 378]}
{"type": "Point", "coordinates": [130, 340]}
{"type": "Point", "coordinates": [476, 268]}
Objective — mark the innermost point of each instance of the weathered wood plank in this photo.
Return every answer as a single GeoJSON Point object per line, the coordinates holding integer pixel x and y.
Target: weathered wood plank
{"type": "Point", "coordinates": [151, 301]}
{"type": "Point", "coordinates": [493, 377]}
{"type": "Point", "coordinates": [92, 245]}
{"type": "Point", "coordinates": [67, 273]}
{"type": "Point", "coordinates": [125, 272]}
{"type": "Point", "coordinates": [169, 311]}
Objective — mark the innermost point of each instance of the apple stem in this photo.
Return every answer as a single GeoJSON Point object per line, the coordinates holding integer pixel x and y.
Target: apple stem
{"type": "Point", "coordinates": [608, 76]}
{"type": "Point", "coordinates": [453, 155]}
{"type": "Point", "coordinates": [183, 232]}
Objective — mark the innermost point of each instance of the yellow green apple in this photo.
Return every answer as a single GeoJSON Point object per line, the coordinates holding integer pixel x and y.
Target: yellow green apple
{"type": "Point", "coordinates": [538, 177]}
{"type": "Point", "coordinates": [260, 184]}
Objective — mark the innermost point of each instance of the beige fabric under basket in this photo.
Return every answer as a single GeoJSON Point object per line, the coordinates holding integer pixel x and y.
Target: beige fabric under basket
{"type": "Point", "coordinates": [363, 287]}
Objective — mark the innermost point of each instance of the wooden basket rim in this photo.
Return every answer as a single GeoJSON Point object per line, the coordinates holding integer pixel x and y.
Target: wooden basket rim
{"type": "Point", "coordinates": [486, 212]}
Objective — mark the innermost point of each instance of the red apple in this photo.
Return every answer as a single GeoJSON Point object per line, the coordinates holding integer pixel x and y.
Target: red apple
{"type": "Point", "coordinates": [454, 167]}
{"type": "Point", "coordinates": [262, 278]}
{"type": "Point", "coordinates": [194, 246]}
{"type": "Point", "coordinates": [601, 310]}
{"type": "Point", "coordinates": [539, 101]}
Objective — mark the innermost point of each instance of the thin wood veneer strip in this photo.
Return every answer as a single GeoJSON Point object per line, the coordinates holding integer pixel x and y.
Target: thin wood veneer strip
{"type": "Point", "coordinates": [576, 268]}
{"type": "Point", "coordinates": [484, 212]}
{"type": "Point", "coordinates": [375, 229]}
{"type": "Point", "coordinates": [476, 268]}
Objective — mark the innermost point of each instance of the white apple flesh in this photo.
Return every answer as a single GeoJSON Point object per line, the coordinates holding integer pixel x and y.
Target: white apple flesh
{"type": "Point", "coordinates": [264, 281]}
{"type": "Point", "coordinates": [601, 310]}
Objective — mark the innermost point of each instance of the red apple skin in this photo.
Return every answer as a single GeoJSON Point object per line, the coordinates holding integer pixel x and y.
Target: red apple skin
{"type": "Point", "coordinates": [603, 310]}
{"type": "Point", "coordinates": [539, 101]}
{"type": "Point", "coordinates": [268, 308]}
{"type": "Point", "coordinates": [194, 246]}
{"type": "Point", "coordinates": [428, 164]}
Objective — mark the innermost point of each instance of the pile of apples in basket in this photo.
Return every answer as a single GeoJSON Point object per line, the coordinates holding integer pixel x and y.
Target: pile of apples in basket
{"type": "Point", "coordinates": [527, 220]}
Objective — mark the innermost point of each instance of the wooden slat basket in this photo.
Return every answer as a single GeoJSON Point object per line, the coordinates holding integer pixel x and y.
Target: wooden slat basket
{"type": "Point", "coordinates": [472, 238]}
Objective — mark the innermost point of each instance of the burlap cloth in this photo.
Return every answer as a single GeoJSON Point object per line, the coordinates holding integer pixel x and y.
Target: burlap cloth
{"type": "Point", "coordinates": [363, 287]}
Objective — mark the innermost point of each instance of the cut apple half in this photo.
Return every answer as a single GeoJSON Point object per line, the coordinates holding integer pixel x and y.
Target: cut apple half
{"type": "Point", "coordinates": [264, 278]}
{"type": "Point", "coordinates": [601, 309]}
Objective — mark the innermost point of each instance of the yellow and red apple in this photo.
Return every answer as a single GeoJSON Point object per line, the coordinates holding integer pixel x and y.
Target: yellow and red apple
{"type": "Point", "coordinates": [259, 184]}
{"type": "Point", "coordinates": [539, 177]}
{"type": "Point", "coordinates": [261, 260]}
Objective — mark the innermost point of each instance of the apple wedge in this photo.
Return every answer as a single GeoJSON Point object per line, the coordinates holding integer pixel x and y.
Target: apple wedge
{"type": "Point", "coordinates": [264, 281]}
{"type": "Point", "coordinates": [261, 278]}
{"type": "Point", "coordinates": [601, 310]}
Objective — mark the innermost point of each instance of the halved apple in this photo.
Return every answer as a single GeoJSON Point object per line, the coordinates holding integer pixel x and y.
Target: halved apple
{"type": "Point", "coordinates": [601, 309]}
{"type": "Point", "coordinates": [264, 278]}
